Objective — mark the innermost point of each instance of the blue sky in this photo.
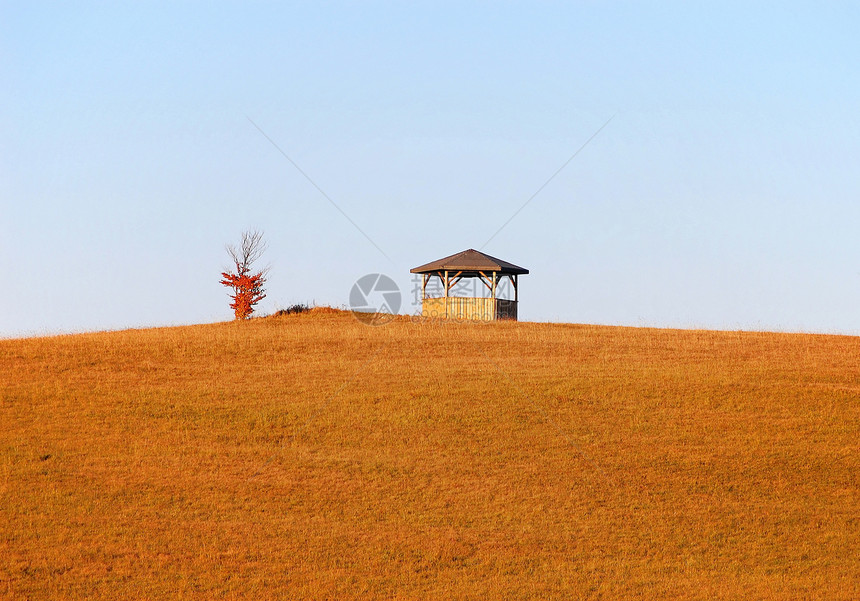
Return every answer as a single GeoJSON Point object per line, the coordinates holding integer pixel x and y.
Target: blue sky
{"type": "Point", "coordinates": [723, 193]}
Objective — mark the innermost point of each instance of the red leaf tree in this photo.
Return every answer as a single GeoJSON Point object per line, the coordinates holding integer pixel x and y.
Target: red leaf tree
{"type": "Point", "coordinates": [247, 287]}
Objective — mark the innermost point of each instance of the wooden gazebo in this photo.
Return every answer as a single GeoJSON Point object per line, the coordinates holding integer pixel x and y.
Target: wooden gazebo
{"type": "Point", "coordinates": [469, 264]}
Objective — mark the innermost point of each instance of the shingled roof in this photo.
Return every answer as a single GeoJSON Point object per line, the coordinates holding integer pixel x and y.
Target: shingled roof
{"type": "Point", "coordinates": [470, 261]}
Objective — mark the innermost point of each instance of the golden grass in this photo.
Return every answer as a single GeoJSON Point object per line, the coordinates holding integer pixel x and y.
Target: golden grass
{"type": "Point", "coordinates": [313, 457]}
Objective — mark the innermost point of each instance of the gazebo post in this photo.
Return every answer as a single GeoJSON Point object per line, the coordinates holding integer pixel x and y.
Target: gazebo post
{"type": "Point", "coordinates": [446, 294]}
{"type": "Point", "coordinates": [495, 302]}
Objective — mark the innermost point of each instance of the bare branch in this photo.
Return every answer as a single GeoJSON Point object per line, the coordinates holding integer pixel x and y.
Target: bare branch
{"type": "Point", "coordinates": [250, 249]}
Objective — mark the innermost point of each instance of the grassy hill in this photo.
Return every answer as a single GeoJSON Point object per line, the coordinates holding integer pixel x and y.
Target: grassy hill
{"type": "Point", "coordinates": [312, 457]}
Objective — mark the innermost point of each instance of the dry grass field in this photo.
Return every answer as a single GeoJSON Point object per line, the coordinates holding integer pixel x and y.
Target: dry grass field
{"type": "Point", "coordinates": [312, 457]}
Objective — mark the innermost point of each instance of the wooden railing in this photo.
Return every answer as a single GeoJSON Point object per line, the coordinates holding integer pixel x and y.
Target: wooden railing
{"type": "Point", "coordinates": [469, 308]}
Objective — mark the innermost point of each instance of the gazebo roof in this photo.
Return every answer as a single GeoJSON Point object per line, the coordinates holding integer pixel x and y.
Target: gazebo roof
{"type": "Point", "coordinates": [470, 261]}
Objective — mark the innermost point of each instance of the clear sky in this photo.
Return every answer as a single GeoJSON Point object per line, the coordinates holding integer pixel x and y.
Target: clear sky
{"type": "Point", "coordinates": [724, 192]}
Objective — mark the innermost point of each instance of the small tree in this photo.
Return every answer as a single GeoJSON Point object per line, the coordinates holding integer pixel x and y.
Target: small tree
{"type": "Point", "coordinates": [247, 287]}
